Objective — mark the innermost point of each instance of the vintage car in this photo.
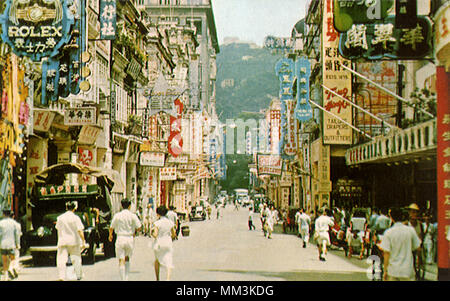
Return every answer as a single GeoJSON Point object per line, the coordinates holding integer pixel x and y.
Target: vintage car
{"type": "Point", "coordinates": [197, 213]}
{"type": "Point", "coordinates": [51, 191]}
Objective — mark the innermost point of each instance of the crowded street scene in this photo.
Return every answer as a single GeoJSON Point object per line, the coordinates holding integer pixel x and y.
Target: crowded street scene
{"type": "Point", "coordinates": [225, 140]}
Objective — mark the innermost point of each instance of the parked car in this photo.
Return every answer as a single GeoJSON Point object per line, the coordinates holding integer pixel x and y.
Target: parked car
{"type": "Point", "coordinates": [197, 213]}
{"type": "Point", "coordinates": [50, 192]}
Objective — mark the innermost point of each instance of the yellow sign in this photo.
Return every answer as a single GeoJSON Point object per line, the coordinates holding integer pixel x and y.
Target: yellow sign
{"type": "Point", "coordinates": [338, 80]}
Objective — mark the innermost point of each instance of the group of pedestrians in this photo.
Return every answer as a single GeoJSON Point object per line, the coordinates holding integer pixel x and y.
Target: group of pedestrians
{"type": "Point", "coordinates": [125, 225]}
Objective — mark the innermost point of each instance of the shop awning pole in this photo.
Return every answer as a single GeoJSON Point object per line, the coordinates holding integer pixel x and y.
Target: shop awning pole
{"type": "Point", "coordinates": [339, 118]}
{"type": "Point", "coordinates": [358, 107]}
{"type": "Point", "coordinates": [386, 90]}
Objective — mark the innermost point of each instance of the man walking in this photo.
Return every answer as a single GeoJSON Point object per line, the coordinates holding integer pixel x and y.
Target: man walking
{"type": "Point", "coordinates": [125, 224]}
{"type": "Point", "coordinates": [9, 241]}
{"type": "Point", "coordinates": [304, 224]}
{"type": "Point", "coordinates": [250, 219]}
{"type": "Point", "coordinates": [322, 226]}
{"type": "Point", "coordinates": [70, 240]}
{"type": "Point", "coordinates": [398, 244]}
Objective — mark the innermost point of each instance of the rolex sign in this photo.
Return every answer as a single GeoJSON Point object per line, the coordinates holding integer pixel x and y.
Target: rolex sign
{"type": "Point", "coordinates": [36, 28]}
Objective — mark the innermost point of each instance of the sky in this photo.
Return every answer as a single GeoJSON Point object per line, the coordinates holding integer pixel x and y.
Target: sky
{"type": "Point", "coordinates": [253, 20]}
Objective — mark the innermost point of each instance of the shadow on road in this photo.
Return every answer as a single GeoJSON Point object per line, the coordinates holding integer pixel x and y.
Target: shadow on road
{"type": "Point", "coordinates": [301, 275]}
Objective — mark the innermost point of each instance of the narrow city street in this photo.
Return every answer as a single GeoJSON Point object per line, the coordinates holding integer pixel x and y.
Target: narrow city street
{"type": "Point", "coordinates": [223, 250]}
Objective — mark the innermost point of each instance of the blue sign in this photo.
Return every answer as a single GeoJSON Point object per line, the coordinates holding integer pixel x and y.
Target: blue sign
{"type": "Point", "coordinates": [36, 29]}
{"type": "Point", "coordinates": [108, 17]}
{"type": "Point", "coordinates": [303, 110]}
{"type": "Point", "coordinates": [288, 141]}
{"type": "Point", "coordinates": [62, 76]}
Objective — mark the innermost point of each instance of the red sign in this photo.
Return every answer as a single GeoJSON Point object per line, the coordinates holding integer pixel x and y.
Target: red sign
{"type": "Point", "coordinates": [175, 141]}
{"type": "Point", "coordinates": [443, 165]}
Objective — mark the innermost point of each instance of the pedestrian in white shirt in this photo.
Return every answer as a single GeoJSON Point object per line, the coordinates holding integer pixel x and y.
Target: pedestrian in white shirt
{"type": "Point", "coordinates": [9, 241]}
{"type": "Point", "coordinates": [322, 226]}
{"type": "Point", "coordinates": [398, 244]}
{"type": "Point", "coordinates": [270, 220]}
{"type": "Point", "coordinates": [70, 240]}
{"type": "Point", "coordinates": [163, 232]}
{"type": "Point", "coordinates": [14, 266]}
{"type": "Point", "coordinates": [250, 219]}
{"type": "Point", "coordinates": [124, 224]}
{"type": "Point", "coordinates": [304, 224]}
{"type": "Point", "coordinates": [173, 217]}
{"type": "Point", "coordinates": [297, 221]}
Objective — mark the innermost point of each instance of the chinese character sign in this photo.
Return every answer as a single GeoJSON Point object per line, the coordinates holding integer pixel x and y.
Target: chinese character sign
{"type": "Point", "coordinates": [443, 165]}
{"type": "Point", "coordinates": [384, 40]}
{"type": "Point", "coordinates": [303, 111]}
{"type": "Point", "coordinates": [36, 29]}
{"type": "Point", "coordinates": [108, 15]}
{"type": "Point", "coordinates": [285, 72]}
{"type": "Point", "coordinates": [338, 80]}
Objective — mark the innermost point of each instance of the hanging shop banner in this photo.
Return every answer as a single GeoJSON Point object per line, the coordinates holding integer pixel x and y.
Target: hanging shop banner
{"type": "Point", "coordinates": [338, 80]}
{"type": "Point", "coordinates": [182, 159]}
{"type": "Point", "coordinates": [349, 12]}
{"type": "Point", "coordinates": [383, 40]}
{"type": "Point", "coordinates": [284, 69]}
{"type": "Point", "coordinates": [42, 120]}
{"type": "Point", "coordinates": [108, 15]}
{"type": "Point", "coordinates": [89, 134]}
{"type": "Point", "coordinates": [86, 156]}
{"type": "Point", "coordinates": [269, 165]}
{"type": "Point", "coordinates": [62, 76]}
{"type": "Point", "coordinates": [168, 174]}
{"type": "Point", "coordinates": [152, 159]}
{"type": "Point", "coordinates": [442, 33]}
{"type": "Point", "coordinates": [277, 43]}
{"type": "Point", "coordinates": [373, 99]}
{"type": "Point", "coordinates": [175, 142]}
{"type": "Point", "coordinates": [80, 116]}
{"type": "Point", "coordinates": [443, 165]}
{"type": "Point", "coordinates": [303, 111]}
{"type": "Point", "coordinates": [36, 30]}
{"type": "Point", "coordinates": [163, 96]}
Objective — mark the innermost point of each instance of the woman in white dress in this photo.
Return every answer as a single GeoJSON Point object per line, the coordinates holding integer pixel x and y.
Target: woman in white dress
{"type": "Point", "coordinates": [163, 232]}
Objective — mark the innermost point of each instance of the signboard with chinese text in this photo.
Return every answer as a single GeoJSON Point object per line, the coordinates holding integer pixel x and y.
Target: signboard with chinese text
{"type": "Point", "coordinates": [168, 174]}
{"type": "Point", "coordinates": [288, 141]}
{"type": "Point", "coordinates": [443, 165]}
{"type": "Point", "coordinates": [382, 40]}
{"type": "Point", "coordinates": [36, 29]}
{"type": "Point", "coordinates": [152, 159]}
{"type": "Point", "coordinates": [338, 80]}
{"type": "Point", "coordinates": [88, 134]}
{"type": "Point", "coordinates": [163, 96]}
{"type": "Point", "coordinates": [303, 111]}
{"type": "Point", "coordinates": [42, 120]}
{"type": "Point", "coordinates": [80, 116]}
{"type": "Point", "coordinates": [442, 34]}
{"type": "Point", "coordinates": [269, 164]}
{"type": "Point", "coordinates": [277, 43]}
{"type": "Point", "coordinates": [108, 17]}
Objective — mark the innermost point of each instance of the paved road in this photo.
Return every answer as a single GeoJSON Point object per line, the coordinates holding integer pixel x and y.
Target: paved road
{"type": "Point", "coordinates": [224, 250]}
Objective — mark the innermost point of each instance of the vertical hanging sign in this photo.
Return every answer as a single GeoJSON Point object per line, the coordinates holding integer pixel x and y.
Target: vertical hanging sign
{"type": "Point", "coordinates": [285, 72]}
{"type": "Point", "coordinates": [337, 79]}
{"type": "Point", "coordinates": [443, 166]}
{"type": "Point", "coordinates": [108, 24]}
{"type": "Point", "coordinates": [303, 111]}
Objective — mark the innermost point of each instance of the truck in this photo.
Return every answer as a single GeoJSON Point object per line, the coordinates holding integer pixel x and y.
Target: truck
{"type": "Point", "coordinates": [52, 189]}
{"type": "Point", "coordinates": [242, 197]}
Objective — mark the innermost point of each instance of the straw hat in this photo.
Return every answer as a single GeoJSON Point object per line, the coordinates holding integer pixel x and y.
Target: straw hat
{"type": "Point", "coordinates": [413, 206]}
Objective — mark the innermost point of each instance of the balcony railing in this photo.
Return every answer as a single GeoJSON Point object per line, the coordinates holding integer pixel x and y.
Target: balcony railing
{"type": "Point", "coordinates": [400, 144]}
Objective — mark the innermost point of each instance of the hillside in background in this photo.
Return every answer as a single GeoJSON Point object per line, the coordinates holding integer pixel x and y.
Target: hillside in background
{"type": "Point", "coordinates": [246, 79]}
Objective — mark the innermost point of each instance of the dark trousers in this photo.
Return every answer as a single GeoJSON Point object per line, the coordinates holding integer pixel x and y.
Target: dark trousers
{"type": "Point", "coordinates": [250, 225]}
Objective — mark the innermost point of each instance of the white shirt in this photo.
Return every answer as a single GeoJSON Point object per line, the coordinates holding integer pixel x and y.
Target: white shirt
{"type": "Point", "coordinates": [305, 220]}
{"type": "Point", "coordinates": [297, 217]}
{"type": "Point", "coordinates": [164, 226]}
{"type": "Point", "coordinates": [172, 216]}
{"type": "Point", "coordinates": [400, 241]}
{"type": "Point", "coordinates": [358, 223]}
{"type": "Point", "coordinates": [125, 223]}
{"type": "Point", "coordinates": [323, 223]}
{"type": "Point", "coordinates": [68, 224]}
{"type": "Point", "coordinates": [9, 234]}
